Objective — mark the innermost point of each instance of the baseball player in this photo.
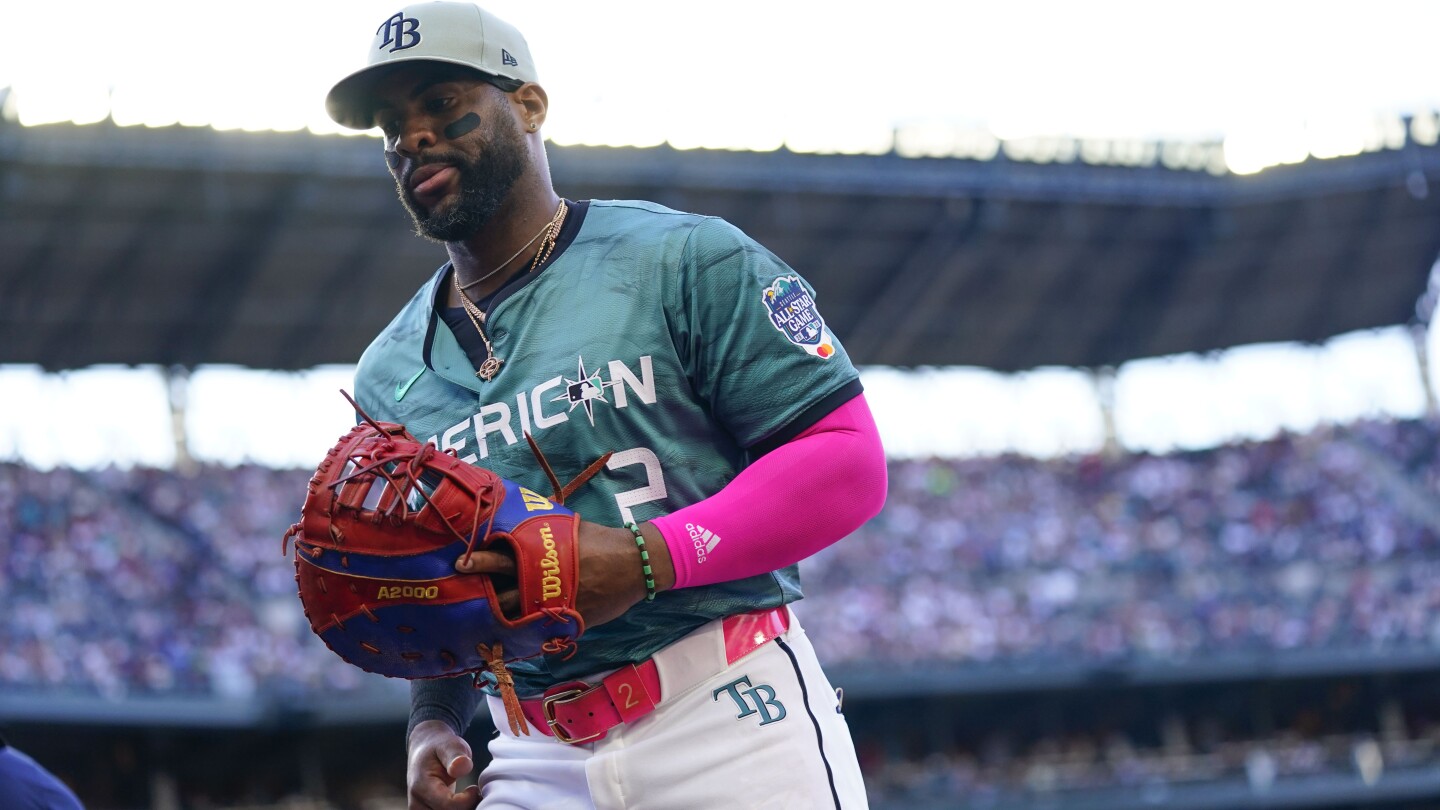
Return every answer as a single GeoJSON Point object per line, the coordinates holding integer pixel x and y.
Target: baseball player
{"type": "Point", "coordinates": [26, 785]}
{"type": "Point", "coordinates": [740, 442]}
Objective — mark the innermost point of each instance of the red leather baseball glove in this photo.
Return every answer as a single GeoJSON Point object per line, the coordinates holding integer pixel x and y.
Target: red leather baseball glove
{"type": "Point", "coordinates": [386, 517]}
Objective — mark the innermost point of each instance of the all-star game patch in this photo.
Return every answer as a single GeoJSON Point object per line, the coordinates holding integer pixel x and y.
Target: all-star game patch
{"type": "Point", "coordinates": [793, 312]}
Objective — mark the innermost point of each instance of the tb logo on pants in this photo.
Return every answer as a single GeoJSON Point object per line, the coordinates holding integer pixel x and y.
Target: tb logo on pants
{"type": "Point", "coordinates": [762, 696]}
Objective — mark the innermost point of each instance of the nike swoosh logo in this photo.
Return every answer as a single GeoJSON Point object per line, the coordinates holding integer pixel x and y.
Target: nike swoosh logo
{"type": "Point", "coordinates": [405, 386]}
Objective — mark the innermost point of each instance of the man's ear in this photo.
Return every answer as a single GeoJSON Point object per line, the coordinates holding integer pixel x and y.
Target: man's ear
{"type": "Point", "coordinates": [533, 104]}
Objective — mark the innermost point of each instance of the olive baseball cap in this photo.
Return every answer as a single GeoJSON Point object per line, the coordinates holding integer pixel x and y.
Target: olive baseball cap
{"type": "Point", "coordinates": [452, 33]}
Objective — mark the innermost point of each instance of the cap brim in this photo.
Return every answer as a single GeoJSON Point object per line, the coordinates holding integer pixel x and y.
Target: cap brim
{"type": "Point", "coordinates": [351, 102]}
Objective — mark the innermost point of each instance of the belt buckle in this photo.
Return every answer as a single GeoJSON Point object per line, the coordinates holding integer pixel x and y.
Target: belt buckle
{"type": "Point", "coordinates": [547, 707]}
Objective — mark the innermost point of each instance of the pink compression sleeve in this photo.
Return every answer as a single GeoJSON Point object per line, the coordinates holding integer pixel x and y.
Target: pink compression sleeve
{"type": "Point", "coordinates": [793, 501]}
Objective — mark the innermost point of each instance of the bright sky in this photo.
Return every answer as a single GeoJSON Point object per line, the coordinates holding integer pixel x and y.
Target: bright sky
{"type": "Point", "coordinates": [1273, 80]}
{"type": "Point", "coordinates": [235, 415]}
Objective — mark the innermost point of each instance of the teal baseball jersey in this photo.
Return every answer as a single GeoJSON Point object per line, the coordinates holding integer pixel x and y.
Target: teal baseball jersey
{"type": "Point", "coordinates": [672, 340]}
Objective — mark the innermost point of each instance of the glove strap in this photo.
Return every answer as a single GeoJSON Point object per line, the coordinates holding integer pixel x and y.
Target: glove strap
{"type": "Point", "coordinates": [505, 683]}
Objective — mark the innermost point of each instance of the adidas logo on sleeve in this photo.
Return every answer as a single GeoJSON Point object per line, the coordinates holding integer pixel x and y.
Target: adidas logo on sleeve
{"type": "Point", "coordinates": [703, 540]}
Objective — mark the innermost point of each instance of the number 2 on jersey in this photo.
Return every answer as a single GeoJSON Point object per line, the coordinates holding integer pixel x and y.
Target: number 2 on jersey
{"type": "Point", "coordinates": [654, 488]}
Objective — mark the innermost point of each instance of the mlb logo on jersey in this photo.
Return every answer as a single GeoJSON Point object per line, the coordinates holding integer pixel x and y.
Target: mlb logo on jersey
{"type": "Point", "coordinates": [584, 390]}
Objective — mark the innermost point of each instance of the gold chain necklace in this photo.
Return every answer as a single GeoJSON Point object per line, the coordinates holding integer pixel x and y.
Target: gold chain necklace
{"type": "Point", "coordinates": [491, 364]}
{"type": "Point", "coordinates": [559, 214]}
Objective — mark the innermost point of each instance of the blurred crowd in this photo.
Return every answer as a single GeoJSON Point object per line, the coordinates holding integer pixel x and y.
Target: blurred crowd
{"type": "Point", "coordinates": [142, 581]}
{"type": "Point", "coordinates": [1153, 745]}
{"type": "Point", "coordinates": [1082, 763]}
{"type": "Point", "coordinates": [1326, 540]}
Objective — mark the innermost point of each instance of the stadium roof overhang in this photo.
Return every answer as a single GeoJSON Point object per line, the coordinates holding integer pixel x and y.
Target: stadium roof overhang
{"type": "Point", "coordinates": [189, 246]}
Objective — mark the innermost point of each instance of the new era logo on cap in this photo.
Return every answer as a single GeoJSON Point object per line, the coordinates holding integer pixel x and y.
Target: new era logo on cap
{"type": "Point", "coordinates": [506, 58]}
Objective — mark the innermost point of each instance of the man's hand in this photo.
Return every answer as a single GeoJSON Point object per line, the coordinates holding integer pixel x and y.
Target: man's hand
{"type": "Point", "coordinates": [611, 579]}
{"type": "Point", "coordinates": [438, 758]}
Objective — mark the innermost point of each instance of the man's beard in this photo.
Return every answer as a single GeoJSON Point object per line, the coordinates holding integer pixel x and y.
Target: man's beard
{"type": "Point", "coordinates": [484, 184]}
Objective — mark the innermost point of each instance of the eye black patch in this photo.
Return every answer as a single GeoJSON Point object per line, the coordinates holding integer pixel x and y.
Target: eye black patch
{"type": "Point", "coordinates": [392, 160]}
{"type": "Point", "coordinates": [468, 122]}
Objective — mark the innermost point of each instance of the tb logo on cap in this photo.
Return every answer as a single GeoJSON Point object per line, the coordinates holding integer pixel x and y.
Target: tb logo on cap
{"type": "Point", "coordinates": [400, 31]}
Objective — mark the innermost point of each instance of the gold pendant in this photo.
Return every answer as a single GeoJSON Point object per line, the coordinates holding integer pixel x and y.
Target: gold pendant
{"type": "Point", "coordinates": [489, 368]}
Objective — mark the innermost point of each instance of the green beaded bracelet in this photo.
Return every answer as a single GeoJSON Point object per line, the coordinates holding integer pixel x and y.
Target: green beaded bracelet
{"type": "Point", "coordinates": [644, 562]}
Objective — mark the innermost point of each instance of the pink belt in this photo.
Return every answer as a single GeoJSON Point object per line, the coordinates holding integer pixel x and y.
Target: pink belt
{"type": "Point", "coordinates": [581, 712]}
